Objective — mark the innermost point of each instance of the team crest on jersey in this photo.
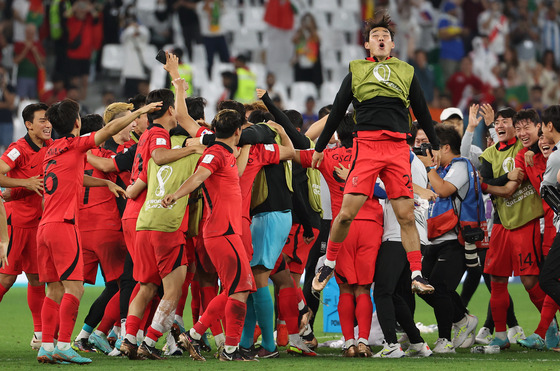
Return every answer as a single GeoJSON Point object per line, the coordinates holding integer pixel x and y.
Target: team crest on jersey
{"type": "Point", "coordinates": [207, 159]}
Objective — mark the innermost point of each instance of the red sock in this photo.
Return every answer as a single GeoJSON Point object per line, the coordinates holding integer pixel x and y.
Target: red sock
{"type": "Point", "coordinates": [299, 292]}
{"type": "Point", "coordinates": [112, 314]}
{"type": "Point", "coordinates": [195, 301]}
{"type": "Point", "coordinates": [68, 313]}
{"type": "Point", "coordinates": [35, 297]}
{"type": "Point", "coordinates": [548, 311]}
{"type": "Point", "coordinates": [332, 250]}
{"type": "Point", "coordinates": [207, 294]}
{"type": "Point", "coordinates": [288, 309]}
{"type": "Point", "coordinates": [153, 334]}
{"type": "Point", "coordinates": [49, 317]}
{"type": "Point", "coordinates": [213, 313]}
{"type": "Point", "coordinates": [346, 309]}
{"type": "Point", "coordinates": [364, 312]}
{"type": "Point", "coordinates": [184, 294]}
{"type": "Point", "coordinates": [132, 325]}
{"type": "Point", "coordinates": [536, 294]}
{"type": "Point", "coordinates": [499, 303]}
{"type": "Point", "coordinates": [235, 312]}
{"type": "Point", "coordinates": [415, 260]}
{"type": "Point", "coordinates": [3, 291]}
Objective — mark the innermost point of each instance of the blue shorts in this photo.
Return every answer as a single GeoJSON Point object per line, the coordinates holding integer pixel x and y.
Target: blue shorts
{"type": "Point", "coordinates": [269, 231]}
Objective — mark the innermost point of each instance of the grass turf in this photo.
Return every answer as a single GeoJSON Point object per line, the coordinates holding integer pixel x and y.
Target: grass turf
{"type": "Point", "coordinates": [16, 330]}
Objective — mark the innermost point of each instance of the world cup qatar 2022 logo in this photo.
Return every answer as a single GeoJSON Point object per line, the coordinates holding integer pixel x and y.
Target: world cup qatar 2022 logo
{"type": "Point", "coordinates": [382, 72]}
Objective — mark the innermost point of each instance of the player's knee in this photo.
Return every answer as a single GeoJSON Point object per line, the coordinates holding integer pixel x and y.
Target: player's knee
{"type": "Point", "coordinates": [405, 217]}
{"type": "Point", "coordinates": [345, 217]}
{"type": "Point", "coordinates": [7, 280]}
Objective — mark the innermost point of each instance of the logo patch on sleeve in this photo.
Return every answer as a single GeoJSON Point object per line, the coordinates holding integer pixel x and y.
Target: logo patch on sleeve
{"type": "Point", "coordinates": [269, 147]}
{"type": "Point", "coordinates": [207, 159]}
{"type": "Point", "coordinates": [161, 142]}
{"type": "Point", "coordinates": [14, 154]}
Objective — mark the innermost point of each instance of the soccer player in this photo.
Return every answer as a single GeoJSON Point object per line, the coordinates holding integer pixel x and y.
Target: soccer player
{"type": "Point", "coordinates": [222, 235]}
{"type": "Point", "coordinates": [4, 237]}
{"type": "Point", "coordinates": [21, 166]}
{"type": "Point", "coordinates": [58, 241]}
{"type": "Point", "coordinates": [516, 229]}
{"type": "Point", "coordinates": [381, 88]}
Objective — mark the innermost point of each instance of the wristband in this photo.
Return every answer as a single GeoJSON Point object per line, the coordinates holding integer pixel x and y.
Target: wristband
{"type": "Point", "coordinates": [430, 168]}
{"type": "Point", "coordinates": [483, 187]}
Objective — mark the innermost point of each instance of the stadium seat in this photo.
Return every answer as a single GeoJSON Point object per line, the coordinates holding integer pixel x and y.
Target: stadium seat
{"type": "Point", "coordinates": [332, 39]}
{"type": "Point", "coordinates": [351, 5]}
{"type": "Point", "coordinates": [259, 70]}
{"type": "Point", "coordinates": [325, 5]}
{"type": "Point", "coordinates": [231, 20]}
{"type": "Point", "coordinates": [351, 52]}
{"type": "Point", "coordinates": [112, 57]}
{"type": "Point", "coordinates": [245, 39]}
{"type": "Point", "coordinates": [299, 92]}
{"type": "Point", "coordinates": [253, 18]}
{"type": "Point", "coordinates": [345, 21]}
{"type": "Point", "coordinates": [217, 70]}
{"type": "Point", "coordinates": [328, 91]}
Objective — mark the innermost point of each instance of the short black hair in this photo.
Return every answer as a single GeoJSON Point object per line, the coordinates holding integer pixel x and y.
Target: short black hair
{"type": "Point", "coordinates": [295, 118]}
{"type": "Point", "coordinates": [160, 95]}
{"type": "Point", "coordinates": [379, 20]}
{"type": "Point", "coordinates": [411, 138]}
{"type": "Point", "coordinates": [139, 101]}
{"type": "Point", "coordinates": [447, 134]}
{"type": "Point", "coordinates": [196, 105]}
{"type": "Point", "coordinates": [234, 105]}
{"type": "Point", "coordinates": [28, 112]}
{"type": "Point", "coordinates": [226, 122]}
{"type": "Point", "coordinates": [90, 123]}
{"type": "Point", "coordinates": [552, 114]}
{"type": "Point", "coordinates": [527, 115]}
{"type": "Point", "coordinates": [258, 116]}
{"type": "Point", "coordinates": [63, 115]}
{"type": "Point", "coordinates": [325, 111]}
{"type": "Point", "coordinates": [345, 130]}
{"type": "Point", "coordinates": [506, 113]}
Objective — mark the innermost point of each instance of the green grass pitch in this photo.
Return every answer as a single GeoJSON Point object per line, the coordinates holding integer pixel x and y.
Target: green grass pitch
{"type": "Point", "coordinates": [16, 330]}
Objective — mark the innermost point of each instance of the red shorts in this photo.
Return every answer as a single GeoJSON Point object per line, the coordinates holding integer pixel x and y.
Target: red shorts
{"type": "Point", "coordinates": [386, 159]}
{"type": "Point", "coordinates": [279, 266]}
{"type": "Point", "coordinates": [59, 249]}
{"type": "Point", "coordinates": [129, 232]}
{"type": "Point", "coordinates": [518, 250]}
{"type": "Point", "coordinates": [297, 250]}
{"type": "Point", "coordinates": [106, 248]}
{"type": "Point", "coordinates": [158, 254]}
{"type": "Point", "coordinates": [355, 264]}
{"type": "Point", "coordinates": [229, 257]}
{"type": "Point", "coordinates": [246, 237]}
{"type": "Point", "coordinates": [203, 261]}
{"type": "Point", "coordinates": [22, 251]}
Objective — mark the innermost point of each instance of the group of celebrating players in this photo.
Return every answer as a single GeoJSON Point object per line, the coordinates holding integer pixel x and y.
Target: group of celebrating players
{"type": "Point", "coordinates": [164, 202]}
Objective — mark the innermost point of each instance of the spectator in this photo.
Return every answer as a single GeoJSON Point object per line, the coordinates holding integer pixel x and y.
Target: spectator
{"type": "Point", "coordinates": [309, 116]}
{"type": "Point", "coordinates": [471, 11]}
{"type": "Point", "coordinates": [134, 38]}
{"type": "Point", "coordinates": [213, 36]}
{"type": "Point", "coordinates": [84, 36]}
{"type": "Point", "coordinates": [57, 93]}
{"type": "Point", "coordinates": [450, 30]}
{"type": "Point", "coordinates": [107, 97]}
{"type": "Point", "coordinates": [29, 56]}
{"type": "Point", "coordinates": [494, 24]}
{"type": "Point", "coordinates": [245, 81]}
{"type": "Point", "coordinates": [7, 99]}
{"type": "Point", "coordinates": [279, 16]}
{"type": "Point", "coordinates": [275, 89]}
{"type": "Point", "coordinates": [525, 37]}
{"type": "Point", "coordinates": [550, 30]}
{"type": "Point", "coordinates": [463, 84]}
{"type": "Point", "coordinates": [24, 12]}
{"type": "Point", "coordinates": [485, 61]}
{"type": "Point", "coordinates": [535, 100]}
{"type": "Point", "coordinates": [307, 58]}
{"type": "Point", "coordinates": [549, 79]}
{"type": "Point", "coordinates": [159, 23]}
{"type": "Point", "coordinates": [190, 24]}
{"type": "Point", "coordinates": [425, 74]}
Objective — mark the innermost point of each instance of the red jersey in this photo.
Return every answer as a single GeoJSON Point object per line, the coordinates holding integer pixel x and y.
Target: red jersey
{"type": "Point", "coordinates": [97, 204]}
{"type": "Point", "coordinates": [63, 166]}
{"type": "Point", "coordinates": [222, 192]}
{"type": "Point", "coordinates": [25, 160]}
{"type": "Point", "coordinates": [371, 210]}
{"type": "Point", "coordinates": [260, 155]}
{"type": "Point", "coordinates": [155, 137]}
